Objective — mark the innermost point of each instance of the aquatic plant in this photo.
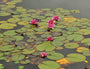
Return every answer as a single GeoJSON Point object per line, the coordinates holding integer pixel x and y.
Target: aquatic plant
{"type": "Point", "coordinates": [49, 39]}
{"type": "Point", "coordinates": [56, 18]}
{"type": "Point", "coordinates": [43, 54]}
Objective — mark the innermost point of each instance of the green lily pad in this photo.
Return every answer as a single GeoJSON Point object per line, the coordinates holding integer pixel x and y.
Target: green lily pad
{"type": "Point", "coordinates": [7, 26]}
{"type": "Point", "coordinates": [18, 57]}
{"type": "Point", "coordinates": [55, 56]}
{"type": "Point", "coordinates": [84, 31]}
{"type": "Point", "coordinates": [7, 48]}
{"type": "Point", "coordinates": [75, 57]}
{"type": "Point", "coordinates": [25, 62]}
{"type": "Point", "coordinates": [49, 65]}
{"type": "Point", "coordinates": [47, 46]}
{"type": "Point", "coordinates": [1, 35]}
{"type": "Point", "coordinates": [4, 14]}
{"type": "Point", "coordinates": [21, 67]}
{"type": "Point", "coordinates": [75, 37]}
{"type": "Point", "coordinates": [86, 53]}
{"type": "Point", "coordinates": [72, 28]}
{"type": "Point", "coordinates": [71, 45]}
{"type": "Point", "coordinates": [10, 33]}
{"type": "Point", "coordinates": [18, 38]}
{"type": "Point", "coordinates": [20, 47]}
{"type": "Point", "coordinates": [13, 20]}
{"type": "Point", "coordinates": [28, 51]}
{"type": "Point", "coordinates": [86, 41]}
{"type": "Point", "coordinates": [8, 39]}
{"type": "Point", "coordinates": [1, 54]}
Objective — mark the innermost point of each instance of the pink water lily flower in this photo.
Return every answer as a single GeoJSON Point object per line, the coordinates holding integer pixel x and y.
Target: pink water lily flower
{"type": "Point", "coordinates": [56, 18]}
{"type": "Point", "coordinates": [49, 39]}
{"type": "Point", "coordinates": [43, 54]}
{"type": "Point", "coordinates": [51, 22]}
{"type": "Point", "coordinates": [51, 25]}
{"type": "Point", "coordinates": [34, 21]}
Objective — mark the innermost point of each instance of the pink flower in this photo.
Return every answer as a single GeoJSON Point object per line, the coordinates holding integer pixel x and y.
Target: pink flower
{"type": "Point", "coordinates": [49, 39]}
{"type": "Point", "coordinates": [55, 18]}
{"type": "Point", "coordinates": [51, 22]}
{"type": "Point", "coordinates": [43, 54]}
{"type": "Point", "coordinates": [33, 21]}
{"type": "Point", "coordinates": [51, 26]}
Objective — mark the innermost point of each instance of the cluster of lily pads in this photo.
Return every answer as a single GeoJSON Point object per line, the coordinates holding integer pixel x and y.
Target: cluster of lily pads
{"type": "Point", "coordinates": [24, 43]}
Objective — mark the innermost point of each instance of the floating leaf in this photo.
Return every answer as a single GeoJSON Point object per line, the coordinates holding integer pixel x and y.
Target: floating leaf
{"type": "Point", "coordinates": [55, 56]}
{"type": "Point", "coordinates": [71, 45]}
{"type": "Point", "coordinates": [72, 28]}
{"type": "Point", "coordinates": [21, 67]}
{"type": "Point", "coordinates": [82, 49]}
{"type": "Point", "coordinates": [28, 51]}
{"type": "Point", "coordinates": [75, 37]}
{"type": "Point", "coordinates": [7, 48]}
{"type": "Point", "coordinates": [18, 57]}
{"type": "Point", "coordinates": [1, 54]}
{"type": "Point", "coordinates": [7, 26]}
{"type": "Point", "coordinates": [13, 20]}
{"type": "Point", "coordinates": [86, 41]}
{"type": "Point", "coordinates": [18, 38]}
{"type": "Point", "coordinates": [49, 65]}
{"type": "Point", "coordinates": [84, 31]}
{"type": "Point", "coordinates": [75, 57]}
{"type": "Point", "coordinates": [47, 46]}
{"type": "Point", "coordinates": [86, 53]}
{"type": "Point", "coordinates": [4, 14]}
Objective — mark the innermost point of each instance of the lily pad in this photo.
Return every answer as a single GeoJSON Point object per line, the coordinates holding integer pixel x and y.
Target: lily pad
{"type": "Point", "coordinates": [71, 45]}
{"type": "Point", "coordinates": [7, 48]}
{"type": "Point", "coordinates": [10, 33]}
{"type": "Point", "coordinates": [86, 41]}
{"type": "Point", "coordinates": [1, 54]}
{"type": "Point", "coordinates": [72, 28]}
{"type": "Point", "coordinates": [75, 37]}
{"type": "Point", "coordinates": [84, 31]}
{"type": "Point", "coordinates": [49, 65]}
{"type": "Point", "coordinates": [7, 26]}
{"type": "Point", "coordinates": [18, 57]}
{"type": "Point", "coordinates": [28, 51]}
{"type": "Point", "coordinates": [75, 57]}
{"type": "Point", "coordinates": [86, 53]}
{"type": "Point", "coordinates": [47, 46]}
{"type": "Point", "coordinates": [55, 56]}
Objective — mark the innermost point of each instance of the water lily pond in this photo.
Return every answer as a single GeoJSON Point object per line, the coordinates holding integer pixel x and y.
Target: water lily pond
{"type": "Point", "coordinates": [42, 38]}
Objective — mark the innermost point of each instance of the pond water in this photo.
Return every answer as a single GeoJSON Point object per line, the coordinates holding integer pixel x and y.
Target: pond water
{"type": "Point", "coordinates": [29, 39]}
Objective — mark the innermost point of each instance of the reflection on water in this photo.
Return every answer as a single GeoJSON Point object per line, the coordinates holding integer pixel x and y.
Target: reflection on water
{"type": "Point", "coordinates": [82, 5]}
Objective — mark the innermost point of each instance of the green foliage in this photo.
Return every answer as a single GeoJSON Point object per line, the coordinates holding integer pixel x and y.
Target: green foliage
{"type": "Point", "coordinates": [75, 57]}
{"type": "Point", "coordinates": [71, 45]}
{"type": "Point", "coordinates": [86, 41]}
{"type": "Point", "coordinates": [7, 48]}
{"type": "Point", "coordinates": [75, 37]}
{"type": "Point", "coordinates": [49, 65]}
{"type": "Point", "coordinates": [47, 46]}
{"type": "Point", "coordinates": [55, 56]}
{"type": "Point", "coordinates": [18, 57]}
{"type": "Point", "coordinates": [28, 51]}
